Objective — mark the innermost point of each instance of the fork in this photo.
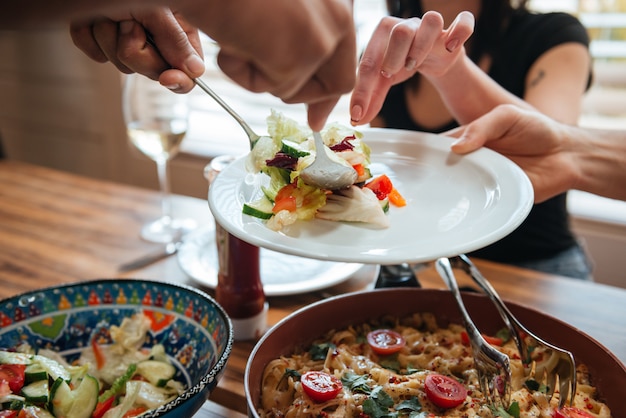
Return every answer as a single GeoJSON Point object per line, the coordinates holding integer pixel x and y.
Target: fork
{"type": "Point", "coordinates": [493, 367]}
{"type": "Point", "coordinates": [545, 362]}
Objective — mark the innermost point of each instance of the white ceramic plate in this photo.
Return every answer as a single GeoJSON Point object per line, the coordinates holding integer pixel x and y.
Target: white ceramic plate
{"type": "Point", "coordinates": [456, 204]}
{"type": "Point", "coordinates": [281, 274]}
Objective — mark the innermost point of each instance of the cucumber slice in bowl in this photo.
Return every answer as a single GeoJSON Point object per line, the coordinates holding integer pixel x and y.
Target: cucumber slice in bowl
{"type": "Point", "coordinates": [36, 392]}
{"type": "Point", "coordinates": [85, 398]}
{"type": "Point", "coordinates": [60, 397]}
{"type": "Point", "coordinates": [77, 403]}
{"type": "Point", "coordinates": [156, 372]}
{"type": "Point", "coordinates": [53, 368]}
{"type": "Point", "coordinates": [35, 372]}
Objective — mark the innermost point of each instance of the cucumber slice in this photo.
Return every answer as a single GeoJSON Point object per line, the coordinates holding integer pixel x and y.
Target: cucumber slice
{"type": "Point", "coordinates": [34, 373]}
{"type": "Point", "coordinates": [78, 403]}
{"type": "Point", "coordinates": [12, 357]}
{"type": "Point", "coordinates": [77, 374]}
{"type": "Point", "coordinates": [119, 384]}
{"type": "Point", "coordinates": [36, 392]}
{"type": "Point", "coordinates": [60, 397]}
{"type": "Point", "coordinates": [156, 372]}
{"type": "Point", "coordinates": [291, 148]}
{"type": "Point", "coordinates": [384, 204]}
{"type": "Point", "coordinates": [84, 398]}
{"type": "Point", "coordinates": [261, 208]}
{"type": "Point", "coordinates": [54, 369]}
{"type": "Point", "coordinates": [12, 402]}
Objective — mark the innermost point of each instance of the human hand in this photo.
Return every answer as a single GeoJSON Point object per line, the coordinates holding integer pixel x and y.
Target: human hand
{"type": "Point", "coordinates": [535, 142]}
{"type": "Point", "coordinates": [173, 55]}
{"type": "Point", "coordinates": [398, 49]}
{"type": "Point", "coordinates": [300, 51]}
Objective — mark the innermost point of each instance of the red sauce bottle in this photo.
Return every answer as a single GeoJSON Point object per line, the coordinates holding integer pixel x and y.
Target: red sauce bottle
{"type": "Point", "coordinates": [239, 289]}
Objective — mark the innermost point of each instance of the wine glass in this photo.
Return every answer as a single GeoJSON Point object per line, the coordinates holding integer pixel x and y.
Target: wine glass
{"type": "Point", "coordinates": [157, 121]}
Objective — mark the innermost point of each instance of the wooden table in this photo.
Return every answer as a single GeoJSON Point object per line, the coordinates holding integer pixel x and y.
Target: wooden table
{"type": "Point", "coordinates": [59, 228]}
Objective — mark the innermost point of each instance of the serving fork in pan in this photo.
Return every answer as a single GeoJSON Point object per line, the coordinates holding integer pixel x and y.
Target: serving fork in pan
{"type": "Point", "coordinates": [493, 366]}
{"type": "Point", "coordinates": [545, 362]}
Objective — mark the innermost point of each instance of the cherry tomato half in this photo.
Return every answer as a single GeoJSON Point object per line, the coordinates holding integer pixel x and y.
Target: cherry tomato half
{"type": "Point", "coordinates": [571, 412]}
{"type": "Point", "coordinates": [285, 200]}
{"type": "Point", "coordinates": [385, 341]}
{"type": "Point", "coordinates": [381, 186]}
{"type": "Point", "coordinates": [444, 391]}
{"type": "Point", "coordinates": [320, 386]}
{"type": "Point", "coordinates": [13, 374]}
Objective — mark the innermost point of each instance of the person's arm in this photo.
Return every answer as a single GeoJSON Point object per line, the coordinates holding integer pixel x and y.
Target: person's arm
{"type": "Point", "coordinates": [601, 158]}
{"type": "Point", "coordinates": [123, 40]}
{"type": "Point", "coordinates": [554, 84]}
{"type": "Point", "coordinates": [300, 51]}
{"type": "Point", "coordinates": [469, 92]}
{"type": "Point", "coordinates": [401, 47]}
{"type": "Point", "coordinates": [559, 158]}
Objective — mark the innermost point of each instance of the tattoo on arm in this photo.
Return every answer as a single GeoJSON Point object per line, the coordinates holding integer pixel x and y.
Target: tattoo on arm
{"type": "Point", "coordinates": [540, 75]}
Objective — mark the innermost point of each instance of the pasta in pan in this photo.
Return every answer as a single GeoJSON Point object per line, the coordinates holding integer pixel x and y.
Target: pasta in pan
{"type": "Point", "coordinates": [360, 379]}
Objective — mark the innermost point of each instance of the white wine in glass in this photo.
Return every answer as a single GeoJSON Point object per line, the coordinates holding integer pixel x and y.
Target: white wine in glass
{"type": "Point", "coordinates": [156, 121]}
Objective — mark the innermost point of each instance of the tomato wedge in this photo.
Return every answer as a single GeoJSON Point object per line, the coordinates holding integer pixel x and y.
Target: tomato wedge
{"type": "Point", "coordinates": [320, 386]}
{"type": "Point", "coordinates": [385, 341]}
{"type": "Point", "coordinates": [134, 412]}
{"type": "Point", "coordinates": [285, 200]}
{"type": "Point", "coordinates": [444, 391]}
{"type": "Point", "coordinates": [13, 374]}
{"type": "Point", "coordinates": [102, 407]}
{"type": "Point", "coordinates": [571, 412]}
{"type": "Point", "coordinates": [287, 203]}
{"type": "Point", "coordinates": [381, 186]}
{"type": "Point", "coordinates": [360, 169]}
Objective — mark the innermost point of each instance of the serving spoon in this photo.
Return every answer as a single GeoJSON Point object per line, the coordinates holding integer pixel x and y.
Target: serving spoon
{"type": "Point", "coordinates": [325, 173]}
{"type": "Point", "coordinates": [252, 136]}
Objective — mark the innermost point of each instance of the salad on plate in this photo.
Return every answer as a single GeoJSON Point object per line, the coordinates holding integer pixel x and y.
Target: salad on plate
{"type": "Point", "coordinates": [286, 198]}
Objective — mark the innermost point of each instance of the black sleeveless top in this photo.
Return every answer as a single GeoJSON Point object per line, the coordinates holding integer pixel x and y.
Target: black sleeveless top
{"type": "Point", "coordinates": [546, 231]}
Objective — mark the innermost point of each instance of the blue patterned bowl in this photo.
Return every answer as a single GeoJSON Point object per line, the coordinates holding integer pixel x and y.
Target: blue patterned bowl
{"type": "Point", "coordinates": [195, 330]}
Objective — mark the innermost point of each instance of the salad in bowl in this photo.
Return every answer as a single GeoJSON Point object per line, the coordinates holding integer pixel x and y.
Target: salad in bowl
{"type": "Point", "coordinates": [286, 198]}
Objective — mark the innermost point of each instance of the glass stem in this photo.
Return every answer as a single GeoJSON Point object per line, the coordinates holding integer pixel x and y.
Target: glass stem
{"type": "Point", "coordinates": [164, 185]}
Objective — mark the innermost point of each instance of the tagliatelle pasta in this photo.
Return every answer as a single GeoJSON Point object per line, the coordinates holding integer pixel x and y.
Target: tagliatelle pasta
{"type": "Point", "coordinates": [378, 385]}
